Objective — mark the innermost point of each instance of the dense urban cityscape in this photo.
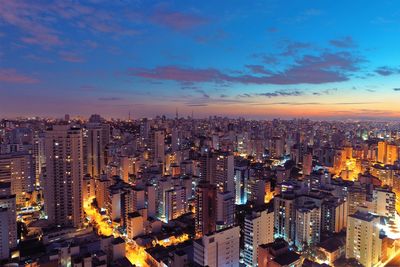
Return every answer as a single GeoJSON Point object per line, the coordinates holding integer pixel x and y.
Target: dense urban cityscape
{"type": "Point", "coordinates": [232, 133]}
{"type": "Point", "coordinates": [199, 192]}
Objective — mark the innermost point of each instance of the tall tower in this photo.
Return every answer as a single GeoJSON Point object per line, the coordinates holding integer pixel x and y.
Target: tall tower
{"type": "Point", "coordinates": [63, 183]}
{"type": "Point", "coordinates": [157, 145]}
{"type": "Point", "coordinates": [95, 145]}
{"type": "Point", "coordinates": [362, 238]}
{"type": "Point", "coordinates": [206, 197]}
{"type": "Point", "coordinates": [8, 208]}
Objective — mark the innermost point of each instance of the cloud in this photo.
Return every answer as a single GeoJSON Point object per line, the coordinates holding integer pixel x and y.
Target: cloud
{"type": "Point", "coordinates": [387, 71]}
{"type": "Point", "coordinates": [310, 69]}
{"type": "Point", "coordinates": [282, 93]}
{"type": "Point", "coordinates": [26, 16]}
{"type": "Point", "coordinates": [294, 47]}
{"type": "Point", "coordinates": [12, 76]}
{"type": "Point", "coordinates": [326, 92]}
{"type": "Point", "coordinates": [259, 69]}
{"type": "Point", "coordinates": [110, 98]}
{"type": "Point", "coordinates": [346, 42]}
{"type": "Point", "coordinates": [38, 21]}
{"type": "Point", "coordinates": [217, 36]}
{"type": "Point", "coordinates": [177, 20]}
{"type": "Point", "coordinates": [70, 57]}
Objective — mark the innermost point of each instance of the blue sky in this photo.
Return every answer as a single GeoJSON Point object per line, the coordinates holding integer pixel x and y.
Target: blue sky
{"type": "Point", "coordinates": [257, 59]}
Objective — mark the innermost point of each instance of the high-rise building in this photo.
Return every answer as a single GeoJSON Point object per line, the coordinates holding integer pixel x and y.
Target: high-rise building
{"type": "Point", "coordinates": [39, 156]}
{"type": "Point", "coordinates": [258, 230]}
{"type": "Point", "coordinates": [95, 149]}
{"type": "Point", "coordinates": [392, 154]}
{"type": "Point", "coordinates": [384, 201]}
{"type": "Point", "coordinates": [356, 197]}
{"type": "Point", "coordinates": [64, 174]}
{"type": "Point", "coordinates": [175, 203]}
{"type": "Point", "coordinates": [382, 149]}
{"type": "Point", "coordinates": [4, 234]}
{"type": "Point", "coordinates": [8, 202]}
{"type": "Point", "coordinates": [285, 212]}
{"type": "Point", "coordinates": [307, 222]}
{"type": "Point", "coordinates": [333, 215]}
{"type": "Point", "coordinates": [307, 164]}
{"type": "Point", "coordinates": [206, 209]}
{"type": "Point", "coordinates": [224, 172]}
{"type": "Point", "coordinates": [157, 145]}
{"type": "Point", "coordinates": [242, 174]}
{"type": "Point", "coordinates": [363, 242]}
{"type": "Point", "coordinates": [218, 249]}
{"type": "Point", "coordinates": [18, 168]}
{"type": "Point", "coordinates": [225, 210]}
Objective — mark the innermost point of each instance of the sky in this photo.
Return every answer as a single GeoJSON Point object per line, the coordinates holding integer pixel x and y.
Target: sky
{"type": "Point", "coordinates": [254, 59]}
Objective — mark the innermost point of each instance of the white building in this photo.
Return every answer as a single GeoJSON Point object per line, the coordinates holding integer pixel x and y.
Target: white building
{"type": "Point", "coordinates": [307, 226]}
{"type": "Point", "coordinates": [362, 238]}
{"type": "Point", "coordinates": [218, 249]}
{"type": "Point", "coordinates": [258, 230]}
{"type": "Point", "coordinates": [384, 202]}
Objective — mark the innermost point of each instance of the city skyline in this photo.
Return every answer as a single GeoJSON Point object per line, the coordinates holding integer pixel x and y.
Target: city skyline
{"type": "Point", "coordinates": [257, 60]}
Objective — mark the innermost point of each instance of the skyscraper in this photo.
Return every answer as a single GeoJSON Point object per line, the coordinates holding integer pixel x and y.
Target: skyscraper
{"type": "Point", "coordinates": [218, 249]}
{"type": "Point", "coordinates": [362, 238]}
{"type": "Point", "coordinates": [64, 174]}
{"type": "Point", "coordinates": [258, 230]}
{"type": "Point", "coordinates": [205, 220]}
{"type": "Point", "coordinates": [8, 202]}
{"type": "Point", "coordinates": [95, 147]}
{"type": "Point", "coordinates": [18, 168]}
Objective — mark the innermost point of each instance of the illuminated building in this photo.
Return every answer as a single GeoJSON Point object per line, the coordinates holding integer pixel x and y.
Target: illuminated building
{"type": "Point", "coordinates": [175, 203]}
{"type": "Point", "coordinates": [356, 198]}
{"type": "Point", "coordinates": [225, 210]}
{"type": "Point", "coordinates": [308, 218]}
{"type": "Point", "coordinates": [18, 168]}
{"type": "Point", "coordinates": [95, 146]}
{"type": "Point", "coordinates": [4, 234]}
{"type": "Point", "coordinates": [206, 208]}
{"type": "Point", "coordinates": [224, 172]}
{"type": "Point", "coordinates": [382, 149]}
{"type": "Point", "coordinates": [363, 241]}
{"type": "Point", "coordinates": [134, 226]}
{"type": "Point", "coordinates": [258, 230]}
{"type": "Point", "coordinates": [307, 164]}
{"type": "Point", "coordinates": [256, 191]}
{"type": "Point", "coordinates": [392, 154]}
{"type": "Point", "coordinates": [218, 168]}
{"type": "Point", "coordinates": [242, 173]}
{"type": "Point", "coordinates": [8, 202]}
{"type": "Point", "coordinates": [277, 254]}
{"type": "Point", "coordinates": [88, 188]}
{"type": "Point", "coordinates": [128, 167]}
{"type": "Point", "coordinates": [285, 212]}
{"type": "Point", "coordinates": [64, 174]}
{"type": "Point", "coordinates": [157, 145]}
{"type": "Point", "coordinates": [102, 184]}
{"type": "Point", "coordinates": [150, 199]}
{"type": "Point", "coordinates": [384, 201]}
{"type": "Point", "coordinates": [333, 215]}
{"type": "Point", "coordinates": [39, 156]}
{"type": "Point", "coordinates": [218, 249]}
